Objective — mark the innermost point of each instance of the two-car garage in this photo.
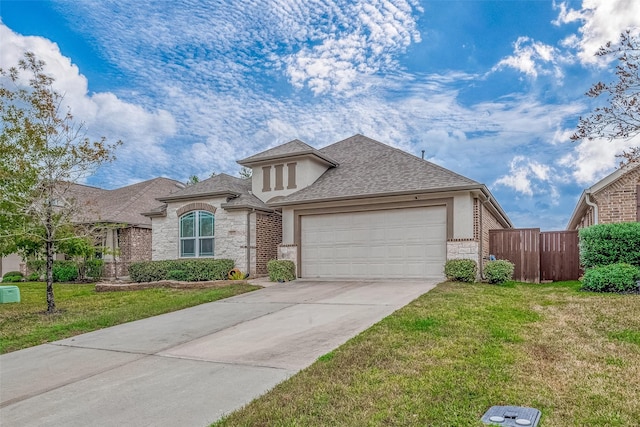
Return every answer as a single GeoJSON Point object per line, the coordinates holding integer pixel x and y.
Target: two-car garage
{"type": "Point", "coordinates": [390, 243]}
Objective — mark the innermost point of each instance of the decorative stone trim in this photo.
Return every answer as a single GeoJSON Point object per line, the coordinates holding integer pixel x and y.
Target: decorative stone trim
{"type": "Point", "coordinates": [199, 206]}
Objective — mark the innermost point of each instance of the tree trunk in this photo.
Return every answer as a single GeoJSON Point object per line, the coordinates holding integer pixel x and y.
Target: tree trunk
{"type": "Point", "coordinates": [51, 303]}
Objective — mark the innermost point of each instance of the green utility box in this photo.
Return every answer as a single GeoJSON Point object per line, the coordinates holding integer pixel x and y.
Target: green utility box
{"type": "Point", "coordinates": [9, 294]}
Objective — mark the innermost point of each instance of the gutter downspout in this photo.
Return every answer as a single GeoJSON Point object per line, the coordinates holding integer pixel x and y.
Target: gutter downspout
{"type": "Point", "coordinates": [481, 257]}
{"type": "Point", "coordinates": [594, 206]}
{"type": "Point", "coordinates": [249, 240]}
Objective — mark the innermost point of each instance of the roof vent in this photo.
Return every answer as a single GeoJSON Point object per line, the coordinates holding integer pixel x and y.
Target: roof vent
{"type": "Point", "coordinates": [512, 416]}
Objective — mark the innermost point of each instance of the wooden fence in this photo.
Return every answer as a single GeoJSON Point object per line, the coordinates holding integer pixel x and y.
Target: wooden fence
{"type": "Point", "coordinates": [538, 256]}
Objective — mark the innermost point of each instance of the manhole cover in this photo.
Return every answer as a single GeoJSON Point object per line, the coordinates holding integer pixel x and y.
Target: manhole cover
{"type": "Point", "coordinates": [512, 416]}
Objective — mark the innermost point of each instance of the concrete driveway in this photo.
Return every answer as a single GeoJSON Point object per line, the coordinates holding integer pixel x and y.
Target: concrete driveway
{"type": "Point", "coordinates": [191, 367]}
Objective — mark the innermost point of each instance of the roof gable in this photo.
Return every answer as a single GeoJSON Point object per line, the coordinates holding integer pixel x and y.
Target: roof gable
{"type": "Point", "coordinates": [369, 168]}
{"type": "Point", "coordinates": [290, 149]}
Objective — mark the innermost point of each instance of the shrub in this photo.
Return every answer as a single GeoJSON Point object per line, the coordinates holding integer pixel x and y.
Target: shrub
{"type": "Point", "coordinates": [37, 266]}
{"type": "Point", "coordinates": [606, 244]}
{"type": "Point", "coordinates": [65, 271]}
{"type": "Point", "coordinates": [34, 277]}
{"type": "Point", "coordinates": [498, 271]}
{"type": "Point", "coordinates": [194, 269]}
{"type": "Point", "coordinates": [461, 270]}
{"type": "Point", "coordinates": [12, 277]}
{"type": "Point", "coordinates": [93, 268]}
{"type": "Point", "coordinates": [618, 277]}
{"type": "Point", "coordinates": [179, 275]}
{"type": "Point", "coordinates": [281, 270]}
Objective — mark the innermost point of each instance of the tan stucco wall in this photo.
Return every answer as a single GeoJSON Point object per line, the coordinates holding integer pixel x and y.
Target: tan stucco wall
{"type": "Point", "coordinates": [307, 172]}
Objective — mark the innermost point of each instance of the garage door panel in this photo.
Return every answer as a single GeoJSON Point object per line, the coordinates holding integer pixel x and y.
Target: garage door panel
{"type": "Point", "coordinates": [396, 243]}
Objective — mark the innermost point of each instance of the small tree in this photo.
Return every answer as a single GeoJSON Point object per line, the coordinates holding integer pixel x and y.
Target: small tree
{"type": "Point", "coordinates": [620, 119]}
{"type": "Point", "coordinates": [245, 172]}
{"type": "Point", "coordinates": [43, 153]}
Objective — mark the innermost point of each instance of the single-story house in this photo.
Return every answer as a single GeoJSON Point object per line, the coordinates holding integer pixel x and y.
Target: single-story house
{"type": "Point", "coordinates": [615, 198]}
{"type": "Point", "coordinates": [354, 209]}
{"type": "Point", "coordinates": [123, 234]}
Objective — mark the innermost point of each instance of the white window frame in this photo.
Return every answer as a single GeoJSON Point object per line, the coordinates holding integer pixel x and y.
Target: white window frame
{"type": "Point", "coordinates": [197, 238]}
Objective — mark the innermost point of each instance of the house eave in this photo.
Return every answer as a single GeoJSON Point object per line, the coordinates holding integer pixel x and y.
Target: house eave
{"type": "Point", "coordinates": [269, 159]}
{"type": "Point", "coordinates": [373, 195]}
{"type": "Point", "coordinates": [199, 196]}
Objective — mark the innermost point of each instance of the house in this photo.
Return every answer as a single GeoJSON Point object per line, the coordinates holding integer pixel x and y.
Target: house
{"type": "Point", "coordinates": [615, 198]}
{"type": "Point", "coordinates": [124, 232]}
{"type": "Point", "coordinates": [354, 209]}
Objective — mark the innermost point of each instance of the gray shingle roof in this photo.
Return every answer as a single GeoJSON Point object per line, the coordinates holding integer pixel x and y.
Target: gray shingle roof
{"type": "Point", "coordinates": [239, 189]}
{"type": "Point", "coordinates": [121, 205]}
{"type": "Point", "coordinates": [369, 168]}
{"type": "Point", "coordinates": [289, 149]}
{"type": "Point", "coordinates": [220, 184]}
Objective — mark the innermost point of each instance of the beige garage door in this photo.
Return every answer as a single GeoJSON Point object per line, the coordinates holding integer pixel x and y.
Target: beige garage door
{"type": "Point", "coordinates": [394, 243]}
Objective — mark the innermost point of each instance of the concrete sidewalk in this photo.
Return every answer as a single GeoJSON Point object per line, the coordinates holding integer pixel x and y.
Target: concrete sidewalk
{"type": "Point", "coordinates": [191, 367]}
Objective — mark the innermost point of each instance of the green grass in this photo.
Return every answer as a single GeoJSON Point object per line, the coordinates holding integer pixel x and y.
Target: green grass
{"type": "Point", "coordinates": [82, 309]}
{"type": "Point", "coordinates": [444, 359]}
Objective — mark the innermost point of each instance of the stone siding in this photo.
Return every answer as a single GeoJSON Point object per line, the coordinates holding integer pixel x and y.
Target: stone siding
{"type": "Point", "coordinates": [268, 237]}
{"type": "Point", "coordinates": [230, 233]}
{"type": "Point", "coordinates": [289, 252]}
{"type": "Point", "coordinates": [462, 249]}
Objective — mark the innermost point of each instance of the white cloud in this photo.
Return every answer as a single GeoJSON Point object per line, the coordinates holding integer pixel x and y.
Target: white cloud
{"type": "Point", "coordinates": [532, 58]}
{"type": "Point", "coordinates": [522, 175]}
{"type": "Point", "coordinates": [591, 160]}
{"type": "Point", "coordinates": [103, 114]}
{"type": "Point", "coordinates": [601, 21]}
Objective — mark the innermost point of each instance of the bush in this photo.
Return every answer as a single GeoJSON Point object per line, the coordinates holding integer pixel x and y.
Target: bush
{"type": "Point", "coordinates": [606, 244]}
{"type": "Point", "coordinates": [93, 268]}
{"type": "Point", "coordinates": [195, 269]}
{"type": "Point", "coordinates": [37, 266]}
{"type": "Point", "coordinates": [461, 270]}
{"type": "Point", "coordinates": [281, 270]}
{"type": "Point", "coordinates": [65, 271]}
{"type": "Point", "coordinates": [12, 277]}
{"type": "Point", "coordinates": [618, 277]}
{"type": "Point", "coordinates": [179, 275]}
{"type": "Point", "coordinates": [498, 271]}
{"type": "Point", "coordinates": [34, 277]}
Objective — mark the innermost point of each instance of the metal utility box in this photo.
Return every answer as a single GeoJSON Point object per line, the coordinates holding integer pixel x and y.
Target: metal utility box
{"type": "Point", "coordinates": [9, 294]}
{"type": "Point", "coordinates": [512, 416]}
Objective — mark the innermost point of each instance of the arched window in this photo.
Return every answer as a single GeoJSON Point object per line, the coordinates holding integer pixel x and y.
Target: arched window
{"type": "Point", "coordinates": [197, 234]}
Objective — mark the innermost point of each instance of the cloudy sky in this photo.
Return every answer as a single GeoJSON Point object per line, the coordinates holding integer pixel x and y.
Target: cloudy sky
{"type": "Point", "coordinates": [489, 89]}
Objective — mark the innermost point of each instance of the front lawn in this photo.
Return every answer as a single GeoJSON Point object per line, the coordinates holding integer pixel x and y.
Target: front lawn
{"type": "Point", "coordinates": [444, 359]}
{"type": "Point", "coordinates": [83, 310]}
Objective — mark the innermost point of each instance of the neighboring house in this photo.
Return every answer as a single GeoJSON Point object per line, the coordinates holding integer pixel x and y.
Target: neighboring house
{"type": "Point", "coordinates": [125, 232]}
{"type": "Point", "coordinates": [354, 209]}
{"type": "Point", "coordinates": [615, 198]}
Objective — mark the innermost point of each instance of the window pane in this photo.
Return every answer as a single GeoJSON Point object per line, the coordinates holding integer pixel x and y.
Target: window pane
{"type": "Point", "coordinates": [206, 224]}
{"type": "Point", "coordinates": [187, 228]}
{"type": "Point", "coordinates": [206, 247]}
{"type": "Point", "coordinates": [188, 247]}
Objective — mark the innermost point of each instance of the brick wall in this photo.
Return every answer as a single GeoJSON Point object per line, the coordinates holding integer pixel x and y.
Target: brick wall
{"type": "Point", "coordinates": [617, 202]}
{"type": "Point", "coordinates": [268, 237]}
{"type": "Point", "coordinates": [489, 222]}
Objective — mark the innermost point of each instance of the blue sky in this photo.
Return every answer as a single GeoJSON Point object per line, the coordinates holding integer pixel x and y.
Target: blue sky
{"type": "Point", "coordinates": [489, 89]}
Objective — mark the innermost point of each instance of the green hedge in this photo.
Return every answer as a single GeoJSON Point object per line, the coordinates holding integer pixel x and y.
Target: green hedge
{"type": "Point", "coordinates": [461, 270]}
{"type": "Point", "coordinates": [611, 278]}
{"type": "Point", "coordinates": [606, 244]}
{"type": "Point", "coordinates": [281, 270]}
{"type": "Point", "coordinates": [93, 269]}
{"type": "Point", "coordinates": [65, 271]}
{"type": "Point", "coordinates": [195, 270]}
{"type": "Point", "coordinates": [12, 277]}
{"type": "Point", "coordinates": [498, 271]}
